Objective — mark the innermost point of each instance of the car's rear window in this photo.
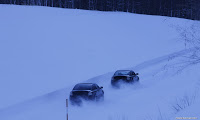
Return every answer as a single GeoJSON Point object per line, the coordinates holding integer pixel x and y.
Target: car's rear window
{"type": "Point", "coordinates": [123, 72]}
{"type": "Point", "coordinates": [83, 87]}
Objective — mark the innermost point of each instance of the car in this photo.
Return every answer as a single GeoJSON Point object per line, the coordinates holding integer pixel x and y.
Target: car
{"type": "Point", "coordinates": [124, 76]}
{"type": "Point", "coordinates": [86, 91]}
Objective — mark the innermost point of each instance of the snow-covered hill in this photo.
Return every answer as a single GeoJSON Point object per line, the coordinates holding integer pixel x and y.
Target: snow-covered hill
{"type": "Point", "coordinates": [45, 51]}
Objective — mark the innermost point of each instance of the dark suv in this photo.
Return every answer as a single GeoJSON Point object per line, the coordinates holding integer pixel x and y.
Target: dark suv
{"type": "Point", "coordinates": [127, 76]}
{"type": "Point", "coordinates": [86, 91]}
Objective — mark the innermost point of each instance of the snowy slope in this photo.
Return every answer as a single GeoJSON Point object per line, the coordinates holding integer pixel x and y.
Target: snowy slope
{"type": "Point", "coordinates": [156, 92]}
{"type": "Point", "coordinates": [46, 49]}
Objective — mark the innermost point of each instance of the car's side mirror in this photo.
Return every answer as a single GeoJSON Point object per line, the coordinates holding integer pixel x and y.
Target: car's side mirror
{"type": "Point", "coordinates": [101, 87]}
{"type": "Point", "coordinates": [136, 73]}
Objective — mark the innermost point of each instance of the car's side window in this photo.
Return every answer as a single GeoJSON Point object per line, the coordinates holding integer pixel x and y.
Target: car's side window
{"type": "Point", "coordinates": [133, 73]}
{"type": "Point", "coordinates": [130, 73]}
{"type": "Point", "coordinates": [94, 87]}
{"type": "Point", "coordinates": [97, 86]}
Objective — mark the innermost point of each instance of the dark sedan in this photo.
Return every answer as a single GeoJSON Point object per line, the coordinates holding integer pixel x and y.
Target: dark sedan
{"type": "Point", "coordinates": [86, 91]}
{"type": "Point", "coordinates": [124, 76]}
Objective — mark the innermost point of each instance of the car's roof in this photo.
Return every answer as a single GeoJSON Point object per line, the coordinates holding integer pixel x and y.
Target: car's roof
{"type": "Point", "coordinates": [85, 83]}
{"type": "Point", "coordinates": [124, 70]}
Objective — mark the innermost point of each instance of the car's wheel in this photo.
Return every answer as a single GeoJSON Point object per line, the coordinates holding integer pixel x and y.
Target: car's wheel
{"type": "Point", "coordinates": [96, 98]}
{"type": "Point", "coordinates": [113, 84]}
{"type": "Point", "coordinates": [100, 99]}
{"type": "Point", "coordinates": [138, 79]}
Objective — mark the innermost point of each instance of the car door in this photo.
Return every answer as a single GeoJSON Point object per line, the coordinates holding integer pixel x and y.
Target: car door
{"type": "Point", "coordinates": [95, 89]}
{"type": "Point", "coordinates": [134, 76]}
{"type": "Point", "coordinates": [101, 92]}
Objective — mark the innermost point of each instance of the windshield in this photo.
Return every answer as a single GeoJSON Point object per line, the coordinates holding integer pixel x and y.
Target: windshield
{"type": "Point", "coordinates": [123, 72]}
{"type": "Point", "coordinates": [83, 87]}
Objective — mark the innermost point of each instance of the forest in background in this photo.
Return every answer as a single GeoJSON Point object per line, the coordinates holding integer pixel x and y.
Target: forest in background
{"type": "Point", "coordinates": [189, 9]}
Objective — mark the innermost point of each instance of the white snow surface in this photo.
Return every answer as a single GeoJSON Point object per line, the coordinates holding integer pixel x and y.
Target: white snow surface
{"type": "Point", "coordinates": [45, 51]}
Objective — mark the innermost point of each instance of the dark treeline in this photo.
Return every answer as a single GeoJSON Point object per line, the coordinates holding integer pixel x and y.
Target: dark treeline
{"type": "Point", "coordinates": [189, 9]}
